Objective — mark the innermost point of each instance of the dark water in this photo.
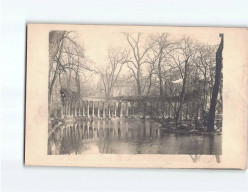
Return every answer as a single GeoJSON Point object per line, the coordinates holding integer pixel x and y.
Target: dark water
{"type": "Point", "coordinates": [128, 136]}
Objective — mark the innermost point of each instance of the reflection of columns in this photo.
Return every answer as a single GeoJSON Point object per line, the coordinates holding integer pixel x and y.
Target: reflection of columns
{"type": "Point", "coordinates": [65, 133]}
{"type": "Point", "coordinates": [70, 132]}
{"type": "Point", "coordinates": [83, 134]}
{"type": "Point", "coordinates": [79, 131]}
{"type": "Point", "coordinates": [115, 128]}
{"type": "Point", "coordinates": [120, 133]}
{"type": "Point", "coordinates": [120, 109]}
{"type": "Point", "coordinates": [88, 129]}
{"type": "Point", "coordinates": [103, 109]}
{"type": "Point", "coordinates": [88, 109]}
{"type": "Point", "coordinates": [93, 129]}
{"type": "Point", "coordinates": [93, 109]}
{"type": "Point", "coordinates": [103, 127]}
{"type": "Point", "coordinates": [98, 110]}
{"type": "Point", "coordinates": [127, 109]}
{"type": "Point", "coordinates": [126, 132]}
{"type": "Point", "coordinates": [74, 132]}
{"type": "Point", "coordinates": [98, 125]}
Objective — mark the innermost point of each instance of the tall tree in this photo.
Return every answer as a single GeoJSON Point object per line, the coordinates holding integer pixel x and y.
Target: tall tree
{"type": "Point", "coordinates": [56, 39]}
{"type": "Point", "coordinates": [183, 57]}
{"type": "Point", "coordinates": [66, 59]}
{"type": "Point", "coordinates": [139, 58]}
{"type": "Point", "coordinates": [111, 73]}
{"type": "Point", "coordinates": [161, 48]}
{"type": "Point", "coordinates": [219, 59]}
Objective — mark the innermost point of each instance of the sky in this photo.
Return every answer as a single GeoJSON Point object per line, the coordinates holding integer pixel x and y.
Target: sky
{"type": "Point", "coordinates": [98, 40]}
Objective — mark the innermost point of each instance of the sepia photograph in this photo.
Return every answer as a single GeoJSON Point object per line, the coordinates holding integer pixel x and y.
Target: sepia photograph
{"type": "Point", "coordinates": [143, 93]}
{"type": "Point", "coordinates": [134, 91]}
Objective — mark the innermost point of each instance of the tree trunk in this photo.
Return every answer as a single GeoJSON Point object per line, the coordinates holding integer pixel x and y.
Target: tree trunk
{"type": "Point", "coordinates": [211, 118]}
{"type": "Point", "coordinates": [138, 82]}
{"type": "Point", "coordinates": [182, 95]}
{"type": "Point", "coordinates": [160, 79]}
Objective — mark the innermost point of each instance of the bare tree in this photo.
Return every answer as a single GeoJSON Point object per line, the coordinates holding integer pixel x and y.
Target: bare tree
{"type": "Point", "coordinates": [66, 59]}
{"type": "Point", "coordinates": [183, 57]}
{"type": "Point", "coordinates": [56, 39]}
{"type": "Point", "coordinates": [139, 58]}
{"type": "Point", "coordinates": [111, 73]}
{"type": "Point", "coordinates": [160, 50]}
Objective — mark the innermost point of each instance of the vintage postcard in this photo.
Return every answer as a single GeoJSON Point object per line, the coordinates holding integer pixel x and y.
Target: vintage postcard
{"type": "Point", "coordinates": [136, 96]}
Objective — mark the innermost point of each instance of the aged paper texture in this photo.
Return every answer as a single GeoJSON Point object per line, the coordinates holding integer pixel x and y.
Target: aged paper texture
{"type": "Point", "coordinates": [136, 96]}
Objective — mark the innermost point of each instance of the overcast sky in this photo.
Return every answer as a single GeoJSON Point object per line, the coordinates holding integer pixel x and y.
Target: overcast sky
{"type": "Point", "coordinates": [97, 42]}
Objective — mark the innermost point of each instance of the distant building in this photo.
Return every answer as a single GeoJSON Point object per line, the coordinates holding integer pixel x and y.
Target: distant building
{"type": "Point", "coordinates": [121, 88]}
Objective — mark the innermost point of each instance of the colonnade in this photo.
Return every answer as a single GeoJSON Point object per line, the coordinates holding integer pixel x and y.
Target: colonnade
{"type": "Point", "coordinates": [111, 109]}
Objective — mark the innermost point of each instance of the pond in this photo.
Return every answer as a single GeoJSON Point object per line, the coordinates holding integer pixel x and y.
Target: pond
{"type": "Point", "coordinates": [128, 136]}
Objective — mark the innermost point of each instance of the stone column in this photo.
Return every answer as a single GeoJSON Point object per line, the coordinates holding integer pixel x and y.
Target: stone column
{"type": "Point", "coordinates": [182, 113]}
{"type": "Point", "coordinates": [64, 110]}
{"type": "Point", "coordinates": [109, 106]}
{"type": "Point", "coordinates": [127, 109]}
{"type": "Point", "coordinates": [83, 108]}
{"type": "Point", "coordinates": [199, 114]}
{"type": "Point", "coordinates": [133, 104]}
{"type": "Point", "coordinates": [98, 110]}
{"type": "Point", "coordinates": [120, 109]}
{"type": "Point", "coordinates": [103, 109]}
{"type": "Point", "coordinates": [114, 109]}
{"type": "Point", "coordinates": [61, 111]}
{"type": "Point", "coordinates": [79, 108]}
{"type": "Point", "coordinates": [69, 109]}
{"type": "Point", "coordinates": [66, 105]}
{"type": "Point", "coordinates": [145, 105]}
{"type": "Point", "coordinates": [88, 109]}
{"type": "Point", "coordinates": [93, 109]}
{"type": "Point", "coordinates": [75, 111]}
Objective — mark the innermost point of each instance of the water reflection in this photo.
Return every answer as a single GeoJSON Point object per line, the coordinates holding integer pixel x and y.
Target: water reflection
{"type": "Point", "coordinates": [128, 136]}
